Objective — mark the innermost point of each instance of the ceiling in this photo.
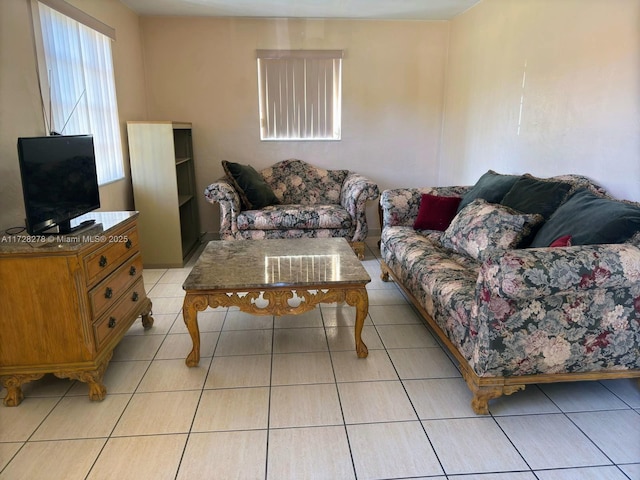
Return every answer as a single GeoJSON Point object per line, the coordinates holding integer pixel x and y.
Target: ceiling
{"type": "Point", "coordinates": [361, 9]}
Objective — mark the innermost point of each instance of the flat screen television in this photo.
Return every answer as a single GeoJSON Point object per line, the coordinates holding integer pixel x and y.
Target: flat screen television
{"type": "Point", "coordinates": [59, 181]}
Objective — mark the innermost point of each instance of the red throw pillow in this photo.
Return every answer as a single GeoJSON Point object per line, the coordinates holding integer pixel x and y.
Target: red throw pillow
{"type": "Point", "coordinates": [564, 241]}
{"type": "Point", "coordinates": [436, 213]}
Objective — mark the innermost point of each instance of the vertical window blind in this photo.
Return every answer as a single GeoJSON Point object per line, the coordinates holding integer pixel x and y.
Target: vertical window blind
{"type": "Point", "coordinates": [300, 94]}
{"type": "Point", "coordinates": [81, 87]}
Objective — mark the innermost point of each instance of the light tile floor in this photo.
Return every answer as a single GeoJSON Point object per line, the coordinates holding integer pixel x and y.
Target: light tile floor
{"type": "Point", "coordinates": [286, 398]}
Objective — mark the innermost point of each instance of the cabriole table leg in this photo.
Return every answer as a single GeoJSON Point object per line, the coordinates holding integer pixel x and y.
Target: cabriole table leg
{"type": "Point", "coordinates": [360, 299]}
{"type": "Point", "coordinates": [192, 304]}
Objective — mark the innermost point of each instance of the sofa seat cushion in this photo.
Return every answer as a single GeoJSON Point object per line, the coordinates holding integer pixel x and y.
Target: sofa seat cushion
{"type": "Point", "coordinates": [296, 182]}
{"type": "Point", "coordinates": [293, 233]}
{"type": "Point", "coordinates": [443, 281]}
{"type": "Point", "coordinates": [404, 243]}
{"type": "Point", "coordinates": [287, 217]}
{"type": "Point", "coordinates": [405, 246]}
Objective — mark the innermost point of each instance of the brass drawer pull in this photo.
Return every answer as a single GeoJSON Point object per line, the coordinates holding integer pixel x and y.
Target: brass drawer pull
{"type": "Point", "coordinates": [135, 297]}
{"type": "Point", "coordinates": [132, 270]}
{"type": "Point", "coordinates": [112, 322]}
{"type": "Point", "coordinates": [108, 293]}
{"type": "Point", "coordinates": [103, 261]}
{"type": "Point", "coordinates": [128, 243]}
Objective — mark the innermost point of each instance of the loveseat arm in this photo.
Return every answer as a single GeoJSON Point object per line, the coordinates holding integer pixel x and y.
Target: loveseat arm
{"type": "Point", "coordinates": [356, 191]}
{"type": "Point", "coordinates": [541, 272]}
{"type": "Point", "coordinates": [400, 206]}
{"type": "Point", "coordinates": [222, 192]}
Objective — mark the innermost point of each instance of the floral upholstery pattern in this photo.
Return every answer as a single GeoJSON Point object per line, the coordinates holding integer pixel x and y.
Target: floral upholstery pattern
{"type": "Point", "coordinates": [291, 233]}
{"type": "Point", "coordinates": [305, 217]}
{"type": "Point", "coordinates": [400, 206]}
{"type": "Point", "coordinates": [296, 182]}
{"type": "Point", "coordinates": [483, 229]}
{"type": "Point", "coordinates": [527, 311]}
{"type": "Point", "coordinates": [314, 203]}
{"type": "Point", "coordinates": [565, 310]}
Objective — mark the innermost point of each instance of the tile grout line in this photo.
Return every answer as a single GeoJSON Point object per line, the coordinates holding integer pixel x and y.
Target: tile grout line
{"type": "Point", "coordinates": [266, 455]}
{"type": "Point", "coordinates": [566, 415]}
{"type": "Point", "coordinates": [419, 420]}
{"type": "Point", "coordinates": [335, 382]}
{"type": "Point", "coordinates": [115, 425]}
{"type": "Point", "coordinates": [202, 389]}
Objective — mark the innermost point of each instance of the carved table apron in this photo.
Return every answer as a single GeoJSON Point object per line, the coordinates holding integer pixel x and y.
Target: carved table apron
{"type": "Point", "coordinates": [275, 277]}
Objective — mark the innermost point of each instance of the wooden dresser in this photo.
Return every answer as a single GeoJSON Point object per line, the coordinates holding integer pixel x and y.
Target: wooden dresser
{"type": "Point", "coordinates": [66, 301]}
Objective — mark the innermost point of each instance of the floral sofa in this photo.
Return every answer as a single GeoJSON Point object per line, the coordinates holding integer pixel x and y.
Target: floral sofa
{"type": "Point", "coordinates": [549, 292]}
{"type": "Point", "coordinates": [292, 199]}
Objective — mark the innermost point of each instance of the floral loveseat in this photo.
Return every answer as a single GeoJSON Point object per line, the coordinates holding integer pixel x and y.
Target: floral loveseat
{"type": "Point", "coordinates": [548, 292]}
{"type": "Point", "coordinates": [292, 199]}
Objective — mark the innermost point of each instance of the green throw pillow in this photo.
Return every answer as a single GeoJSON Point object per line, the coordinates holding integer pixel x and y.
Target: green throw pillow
{"type": "Point", "coordinates": [533, 195]}
{"type": "Point", "coordinates": [491, 187]}
{"type": "Point", "coordinates": [590, 220]}
{"type": "Point", "coordinates": [254, 192]}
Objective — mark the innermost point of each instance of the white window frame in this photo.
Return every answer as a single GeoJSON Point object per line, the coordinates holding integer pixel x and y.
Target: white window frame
{"type": "Point", "coordinates": [77, 83]}
{"type": "Point", "coordinates": [300, 94]}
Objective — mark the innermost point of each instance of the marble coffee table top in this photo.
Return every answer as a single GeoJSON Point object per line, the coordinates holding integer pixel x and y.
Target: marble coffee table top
{"type": "Point", "coordinates": [274, 263]}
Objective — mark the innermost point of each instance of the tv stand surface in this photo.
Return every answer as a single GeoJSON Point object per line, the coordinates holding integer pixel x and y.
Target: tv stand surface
{"type": "Point", "coordinates": [67, 301]}
{"type": "Point", "coordinates": [66, 228]}
{"type": "Point", "coordinates": [70, 226]}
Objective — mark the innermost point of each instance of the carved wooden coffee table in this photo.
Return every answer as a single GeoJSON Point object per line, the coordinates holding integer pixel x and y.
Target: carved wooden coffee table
{"type": "Point", "coordinates": [275, 277]}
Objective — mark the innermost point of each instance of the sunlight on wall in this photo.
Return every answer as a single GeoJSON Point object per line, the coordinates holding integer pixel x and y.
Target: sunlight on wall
{"type": "Point", "coordinates": [546, 88]}
{"type": "Point", "coordinates": [524, 82]}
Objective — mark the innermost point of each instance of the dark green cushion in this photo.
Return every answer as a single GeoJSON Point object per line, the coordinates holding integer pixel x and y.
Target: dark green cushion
{"type": "Point", "coordinates": [590, 220]}
{"type": "Point", "coordinates": [491, 187]}
{"type": "Point", "coordinates": [254, 192]}
{"type": "Point", "coordinates": [533, 195]}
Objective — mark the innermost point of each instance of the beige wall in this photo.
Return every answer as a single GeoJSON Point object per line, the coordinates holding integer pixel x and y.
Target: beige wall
{"type": "Point", "coordinates": [580, 99]}
{"type": "Point", "coordinates": [20, 108]}
{"type": "Point", "coordinates": [203, 70]}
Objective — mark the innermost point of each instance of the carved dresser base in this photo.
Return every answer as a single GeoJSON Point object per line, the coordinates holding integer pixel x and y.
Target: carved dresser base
{"type": "Point", "coordinates": [67, 301]}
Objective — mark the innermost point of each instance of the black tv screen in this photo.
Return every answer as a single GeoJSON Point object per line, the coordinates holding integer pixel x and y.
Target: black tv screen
{"type": "Point", "coordinates": [59, 180]}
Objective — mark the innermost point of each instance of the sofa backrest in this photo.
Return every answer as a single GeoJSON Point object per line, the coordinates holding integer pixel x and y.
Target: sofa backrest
{"type": "Point", "coordinates": [589, 215]}
{"type": "Point", "coordinates": [297, 182]}
{"type": "Point", "coordinates": [579, 181]}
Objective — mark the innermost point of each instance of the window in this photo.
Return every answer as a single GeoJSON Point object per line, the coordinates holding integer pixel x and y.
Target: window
{"type": "Point", "coordinates": [77, 79]}
{"type": "Point", "coordinates": [300, 94]}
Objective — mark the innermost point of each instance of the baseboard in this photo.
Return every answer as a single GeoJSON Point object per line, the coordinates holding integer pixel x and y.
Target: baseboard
{"type": "Point", "coordinates": [209, 236]}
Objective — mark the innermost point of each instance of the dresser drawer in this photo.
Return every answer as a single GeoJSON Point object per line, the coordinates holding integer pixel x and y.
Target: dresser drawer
{"type": "Point", "coordinates": [107, 258]}
{"type": "Point", "coordinates": [107, 292]}
{"type": "Point", "coordinates": [119, 317]}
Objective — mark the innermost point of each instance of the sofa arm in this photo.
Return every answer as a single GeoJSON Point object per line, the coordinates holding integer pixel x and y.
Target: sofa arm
{"type": "Point", "coordinates": [557, 310]}
{"type": "Point", "coordinates": [356, 191]}
{"type": "Point", "coordinates": [400, 206]}
{"type": "Point", "coordinates": [222, 192]}
{"type": "Point", "coordinates": [541, 272]}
